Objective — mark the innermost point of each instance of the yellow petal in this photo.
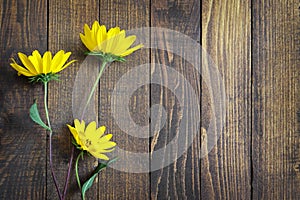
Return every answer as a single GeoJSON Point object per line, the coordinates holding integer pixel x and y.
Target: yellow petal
{"type": "Point", "coordinates": [114, 42]}
{"type": "Point", "coordinates": [95, 28]}
{"type": "Point", "coordinates": [21, 70]}
{"type": "Point", "coordinates": [103, 147]}
{"type": "Point", "coordinates": [125, 44]}
{"type": "Point", "coordinates": [73, 131]}
{"type": "Point", "coordinates": [75, 134]}
{"type": "Point", "coordinates": [87, 30]}
{"type": "Point", "coordinates": [112, 32]}
{"type": "Point", "coordinates": [100, 131]}
{"type": "Point", "coordinates": [106, 46]}
{"type": "Point", "coordinates": [83, 140]}
{"type": "Point", "coordinates": [47, 58]}
{"type": "Point", "coordinates": [94, 134]}
{"type": "Point", "coordinates": [89, 38]}
{"type": "Point", "coordinates": [26, 62]}
{"type": "Point", "coordinates": [62, 61]}
{"type": "Point", "coordinates": [90, 129]}
{"type": "Point", "coordinates": [99, 155]}
{"type": "Point", "coordinates": [106, 145]}
{"type": "Point", "coordinates": [79, 126]}
{"type": "Point", "coordinates": [56, 60]}
{"type": "Point", "coordinates": [131, 50]}
{"type": "Point", "coordinates": [104, 33]}
{"type": "Point", "coordinates": [100, 36]}
{"type": "Point", "coordinates": [109, 44]}
{"type": "Point", "coordinates": [87, 41]}
{"type": "Point", "coordinates": [105, 138]}
{"type": "Point", "coordinates": [105, 150]}
{"type": "Point", "coordinates": [65, 66]}
{"type": "Point", "coordinates": [39, 61]}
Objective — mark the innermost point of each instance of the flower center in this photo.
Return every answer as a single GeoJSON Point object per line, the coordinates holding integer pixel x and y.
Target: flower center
{"type": "Point", "coordinates": [88, 142]}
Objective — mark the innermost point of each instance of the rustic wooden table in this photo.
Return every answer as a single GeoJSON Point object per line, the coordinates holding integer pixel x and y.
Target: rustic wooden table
{"type": "Point", "coordinates": [255, 45]}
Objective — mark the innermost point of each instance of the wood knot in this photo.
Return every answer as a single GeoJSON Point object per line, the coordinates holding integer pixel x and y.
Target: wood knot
{"type": "Point", "coordinates": [297, 167]}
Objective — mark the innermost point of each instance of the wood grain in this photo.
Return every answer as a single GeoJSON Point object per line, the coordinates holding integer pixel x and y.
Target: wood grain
{"type": "Point", "coordinates": [22, 143]}
{"type": "Point", "coordinates": [226, 33]}
{"type": "Point", "coordinates": [114, 184]}
{"type": "Point", "coordinates": [275, 94]}
{"type": "Point", "coordinates": [255, 46]}
{"type": "Point", "coordinates": [180, 179]}
{"type": "Point", "coordinates": [66, 21]}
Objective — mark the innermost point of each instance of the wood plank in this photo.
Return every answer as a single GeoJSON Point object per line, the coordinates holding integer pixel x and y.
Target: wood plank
{"type": "Point", "coordinates": [119, 184]}
{"type": "Point", "coordinates": [180, 178]}
{"type": "Point", "coordinates": [66, 21]}
{"type": "Point", "coordinates": [22, 142]}
{"type": "Point", "coordinates": [226, 33]}
{"type": "Point", "coordinates": [276, 79]}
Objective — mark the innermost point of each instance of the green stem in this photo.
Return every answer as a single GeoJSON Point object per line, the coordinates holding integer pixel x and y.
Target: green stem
{"type": "Point", "coordinates": [76, 169]}
{"type": "Point", "coordinates": [46, 107]}
{"type": "Point", "coordinates": [50, 141]}
{"type": "Point", "coordinates": [81, 118]}
{"type": "Point", "coordinates": [94, 88]}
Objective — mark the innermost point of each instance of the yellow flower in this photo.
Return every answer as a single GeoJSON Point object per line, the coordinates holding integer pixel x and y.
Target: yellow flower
{"type": "Point", "coordinates": [91, 139]}
{"type": "Point", "coordinates": [113, 41]}
{"type": "Point", "coordinates": [35, 64]}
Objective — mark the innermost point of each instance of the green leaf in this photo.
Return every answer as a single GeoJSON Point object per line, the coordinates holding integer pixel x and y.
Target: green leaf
{"type": "Point", "coordinates": [88, 184]}
{"type": "Point", "coordinates": [35, 116]}
{"type": "Point", "coordinates": [75, 144]}
{"type": "Point", "coordinates": [107, 57]}
{"type": "Point", "coordinates": [44, 78]}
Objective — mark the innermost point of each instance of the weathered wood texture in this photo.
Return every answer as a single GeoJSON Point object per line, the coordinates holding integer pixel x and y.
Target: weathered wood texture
{"type": "Point", "coordinates": [226, 33]}
{"type": "Point", "coordinates": [22, 143]}
{"type": "Point", "coordinates": [179, 180]}
{"type": "Point", "coordinates": [276, 62]}
{"type": "Point", "coordinates": [66, 21]}
{"type": "Point", "coordinates": [255, 46]}
{"type": "Point", "coordinates": [115, 184]}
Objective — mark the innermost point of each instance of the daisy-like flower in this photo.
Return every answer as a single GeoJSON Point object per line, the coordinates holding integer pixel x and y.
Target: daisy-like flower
{"type": "Point", "coordinates": [111, 45]}
{"type": "Point", "coordinates": [40, 68]}
{"type": "Point", "coordinates": [92, 139]}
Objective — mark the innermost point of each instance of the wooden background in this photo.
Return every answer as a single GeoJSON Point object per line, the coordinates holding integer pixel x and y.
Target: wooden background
{"type": "Point", "coordinates": [255, 45]}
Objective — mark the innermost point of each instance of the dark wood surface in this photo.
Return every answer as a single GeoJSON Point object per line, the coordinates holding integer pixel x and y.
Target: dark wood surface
{"type": "Point", "coordinates": [23, 149]}
{"type": "Point", "coordinates": [116, 184]}
{"type": "Point", "coordinates": [254, 44]}
{"type": "Point", "coordinates": [181, 179]}
{"type": "Point", "coordinates": [65, 21]}
{"type": "Point", "coordinates": [226, 34]}
{"type": "Point", "coordinates": [275, 99]}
